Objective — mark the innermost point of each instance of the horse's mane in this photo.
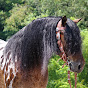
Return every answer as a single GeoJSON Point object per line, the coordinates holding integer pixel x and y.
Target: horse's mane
{"type": "Point", "coordinates": [72, 37]}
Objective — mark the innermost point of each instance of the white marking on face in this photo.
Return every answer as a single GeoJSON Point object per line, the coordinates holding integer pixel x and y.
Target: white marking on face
{"type": "Point", "coordinates": [58, 36]}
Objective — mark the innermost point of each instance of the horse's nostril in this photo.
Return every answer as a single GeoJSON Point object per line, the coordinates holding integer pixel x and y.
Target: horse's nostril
{"type": "Point", "coordinates": [79, 67]}
{"type": "Point", "coordinates": [70, 64]}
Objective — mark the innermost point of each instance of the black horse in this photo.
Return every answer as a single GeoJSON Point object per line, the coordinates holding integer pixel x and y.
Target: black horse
{"type": "Point", "coordinates": [25, 57]}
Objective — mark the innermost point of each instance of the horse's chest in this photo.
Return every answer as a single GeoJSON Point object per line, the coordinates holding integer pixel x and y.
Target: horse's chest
{"type": "Point", "coordinates": [32, 79]}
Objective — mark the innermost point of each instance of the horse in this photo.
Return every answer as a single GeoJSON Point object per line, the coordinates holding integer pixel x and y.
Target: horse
{"type": "Point", "coordinates": [24, 57]}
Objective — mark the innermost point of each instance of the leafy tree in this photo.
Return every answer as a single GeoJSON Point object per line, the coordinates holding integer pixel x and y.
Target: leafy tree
{"type": "Point", "coordinates": [7, 5]}
{"type": "Point", "coordinates": [72, 8]}
{"type": "Point", "coordinates": [20, 17]}
{"type": "Point", "coordinates": [16, 21]}
{"type": "Point", "coordinates": [2, 20]}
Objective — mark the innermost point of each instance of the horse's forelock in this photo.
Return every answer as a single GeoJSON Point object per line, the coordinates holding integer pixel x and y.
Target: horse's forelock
{"type": "Point", "coordinates": [72, 37]}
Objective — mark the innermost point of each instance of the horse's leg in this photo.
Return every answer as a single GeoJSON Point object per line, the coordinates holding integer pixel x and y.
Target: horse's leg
{"type": "Point", "coordinates": [31, 79]}
{"type": "Point", "coordinates": [2, 83]}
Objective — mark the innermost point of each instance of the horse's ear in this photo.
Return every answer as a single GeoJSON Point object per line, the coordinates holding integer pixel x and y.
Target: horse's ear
{"type": "Point", "coordinates": [64, 19]}
{"type": "Point", "coordinates": [77, 20]}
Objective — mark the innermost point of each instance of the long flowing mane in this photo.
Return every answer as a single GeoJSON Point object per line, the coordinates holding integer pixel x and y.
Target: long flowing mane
{"type": "Point", "coordinates": [34, 42]}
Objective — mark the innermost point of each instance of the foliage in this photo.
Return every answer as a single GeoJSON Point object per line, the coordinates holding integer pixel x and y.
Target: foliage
{"type": "Point", "coordinates": [72, 8]}
{"type": "Point", "coordinates": [18, 13]}
{"type": "Point", "coordinates": [7, 5]}
{"type": "Point", "coordinates": [20, 16]}
{"type": "Point", "coordinates": [16, 20]}
{"type": "Point", "coordinates": [2, 23]}
{"type": "Point", "coordinates": [84, 74]}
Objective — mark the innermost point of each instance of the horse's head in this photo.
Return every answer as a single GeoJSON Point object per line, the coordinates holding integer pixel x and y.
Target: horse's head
{"type": "Point", "coordinates": [71, 41]}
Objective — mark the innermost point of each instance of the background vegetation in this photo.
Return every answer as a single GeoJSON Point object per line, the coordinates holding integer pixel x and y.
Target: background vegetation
{"type": "Point", "coordinates": [15, 14]}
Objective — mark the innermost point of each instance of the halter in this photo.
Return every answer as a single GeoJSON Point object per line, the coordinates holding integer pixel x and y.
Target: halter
{"type": "Point", "coordinates": [59, 30]}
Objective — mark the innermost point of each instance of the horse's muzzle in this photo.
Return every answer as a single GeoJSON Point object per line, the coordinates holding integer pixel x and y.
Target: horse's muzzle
{"type": "Point", "coordinates": [75, 66]}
